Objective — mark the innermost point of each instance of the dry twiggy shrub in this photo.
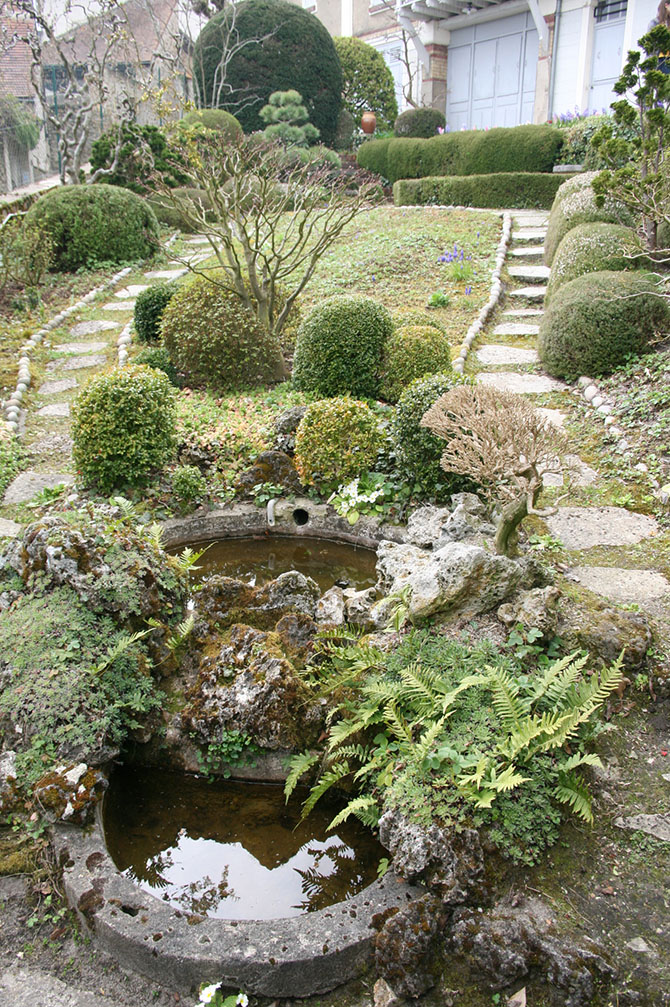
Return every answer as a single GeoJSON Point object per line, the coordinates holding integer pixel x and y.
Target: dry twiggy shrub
{"type": "Point", "coordinates": [503, 443]}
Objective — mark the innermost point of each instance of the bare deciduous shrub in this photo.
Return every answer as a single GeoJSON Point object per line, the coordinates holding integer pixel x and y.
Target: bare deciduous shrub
{"type": "Point", "coordinates": [503, 443]}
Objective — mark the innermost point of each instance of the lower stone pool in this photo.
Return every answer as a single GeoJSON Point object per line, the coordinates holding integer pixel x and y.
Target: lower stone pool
{"type": "Point", "coordinates": [232, 850]}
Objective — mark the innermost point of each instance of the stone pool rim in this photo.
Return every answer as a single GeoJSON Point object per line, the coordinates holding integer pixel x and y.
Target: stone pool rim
{"type": "Point", "coordinates": [294, 957]}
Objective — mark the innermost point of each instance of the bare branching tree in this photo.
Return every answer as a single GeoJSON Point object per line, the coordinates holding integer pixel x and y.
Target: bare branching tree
{"type": "Point", "coordinates": [502, 442]}
{"type": "Point", "coordinates": [268, 221]}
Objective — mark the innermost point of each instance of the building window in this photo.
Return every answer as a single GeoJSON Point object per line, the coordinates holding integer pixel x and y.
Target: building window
{"type": "Point", "coordinates": [610, 10]}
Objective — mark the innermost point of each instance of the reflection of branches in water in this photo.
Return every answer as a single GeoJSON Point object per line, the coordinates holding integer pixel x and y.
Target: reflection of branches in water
{"type": "Point", "coordinates": [203, 896]}
{"type": "Point", "coordinates": [152, 872]}
{"type": "Point", "coordinates": [322, 881]}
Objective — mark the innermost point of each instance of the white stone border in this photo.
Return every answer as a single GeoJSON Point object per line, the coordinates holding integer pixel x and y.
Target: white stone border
{"type": "Point", "coordinates": [587, 388]}
{"type": "Point", "coordinates": [496, 290]}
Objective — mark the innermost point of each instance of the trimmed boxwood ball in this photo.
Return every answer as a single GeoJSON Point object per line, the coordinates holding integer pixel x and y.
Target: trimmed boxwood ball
{"type": "Point", "coordinates": [592, 248]}
{"type": "Point", "coordinates": [409, 353]}
{"type": "Point", "coordinates": [90, 224]}
{"type": "Point", "coordinates": [336, 440]}
{"type": "Point", "coordinates": [215, 341]}
{"type": "Point", "coordinates": [283, 48]}
{"type": "Point", "coordinates": [215, 118]}
{"type": "Point", "coordinates": [123, 427]}
{"type": "Point", "coordinates": [149, 308]}
{"type": "Point", "coordinates": [577, 207]}
{"type": "Point", "coordinates": [418, 451]}
{"type": "Point", "coordinates": [339, 347]}
{"type": "Point", "coordinates": [421, 122]}
{"type": "Point", "coordinates": [409, 316]}
{"type": "Point", "coordinates": [598, 320]}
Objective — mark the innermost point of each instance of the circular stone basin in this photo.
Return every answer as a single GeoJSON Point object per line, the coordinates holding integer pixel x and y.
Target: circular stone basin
{"type": "Point", "coordinates": [232, 850]}
{"type": "Point", "coordinates": [259, 560]}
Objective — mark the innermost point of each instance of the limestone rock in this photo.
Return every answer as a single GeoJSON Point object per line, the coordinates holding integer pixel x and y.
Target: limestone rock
{"type": "Point", "coordinates": [424, 525]}
{"type": "Point", "coordinates": [405, 948]}
{"type": "Point", "coordinates": [533, 609]}
{"type": "Point", "coordinates": [252, 688]}
{"type": "Point", "coordinates": [519, 934]}
{"type": "Point", "coordinates": [358, 607]}
{"type": "Point", "coordinates": [296, 632]}
{"type": "Point", "coordinates": [7, 778]}
{"type": "Point", "coordinates": [450, 863]}
{"type": "Point", "coordinates": [330, 607]}
{"type": "Point", "coordinates": [286, 425]}
{"type": "Point", "coordinates": [224, 600]}
{"type": "Point", "coordinates": [605, 632]}
{"type": "Point", "coordinates": [69, 793]}
{"type": "Point", "coordinates": [289, 592]}
{"type": "Point", "coordinates": [657, 826]}
{"type": "Point", "coordinates": [384, 996]}
{"type": "Point", "coordinates": [271, 467]}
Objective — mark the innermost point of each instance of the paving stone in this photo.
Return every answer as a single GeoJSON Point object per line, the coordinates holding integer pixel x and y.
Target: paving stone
{"type": "Point", "coordinates": [119, 305]}
{"type": "Point", "coordinates": [199, 239]}
{"type": "Point", "coordinates": [530, 293]}
{"type": "Point", "coordinates": [132, 290]}
{"type": "Point", "coordinates": [29, 484]}
{"type": "Point", "coordinates": [528, 251]}
{"type": "Point", "coordinates": [57, 387]}
{"type": "Point", "coordinates": [654, 825]}
{"type": "Point", "coordinates": [577, 472]}
{"type": "Point", "coordinates": [529, 234]}
{"type": "Point", "coordinates": [55, 409]}
{"type": "Point", "coordinates": [52, 444]}
{"type": "Point", "coordinates": [166, 274]}
{"type": "Point", "coordinates": [529, 272]}
{"type": "Point", "coordinates": [524, 312]}
{"type": "Point", "coordinates": [553, 416]}
{"type": "Point", "coordinates": [622, 585]}
{"type": "Point", "coordinates": [516, 329]}
{"type": "Point", "coordinates": [9, 529]}
{"type": "Point", "coordinates": [77, 363]}
{"type": "Point", "coordinates": [586, 527]}
{"type": "Point", "coordinates": [494, 354]}
{"type": "Point", "coordinates": [90, 328]}
{"type": "Point", "coordinates": [30, 988]}
{"type": "Point", "coordinates": [523, 384]}
{"type": "Point", "coordinates": [530, 219]}
{"type": "Point", "coordinates": [80, 347]}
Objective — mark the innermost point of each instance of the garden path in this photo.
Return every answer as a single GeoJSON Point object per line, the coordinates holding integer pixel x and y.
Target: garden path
{"type": "Point", "coordinates": [506, 357]}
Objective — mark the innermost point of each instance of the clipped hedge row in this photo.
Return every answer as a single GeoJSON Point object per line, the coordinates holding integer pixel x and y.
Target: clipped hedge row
{"type": "Point", "coordinates": [472, 152]}
{"type": "Point", "coordinates": [509, 189]}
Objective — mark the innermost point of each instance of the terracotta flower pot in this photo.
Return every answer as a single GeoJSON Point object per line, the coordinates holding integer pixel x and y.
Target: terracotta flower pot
{"type": "Point", "coordinates": [368, 122]}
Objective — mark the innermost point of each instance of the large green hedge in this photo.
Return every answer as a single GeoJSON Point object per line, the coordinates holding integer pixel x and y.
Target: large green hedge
{"type": "Point", "coordinates": [472, 152]}
{"type": "Point", "coordinates": [285, 48]}
{"type": "Point", "coordinates": [508, 189]}
{"type": "Point", "coordinates": [90, 224]}
{"type": "Point", "coordinates": [598, 320]}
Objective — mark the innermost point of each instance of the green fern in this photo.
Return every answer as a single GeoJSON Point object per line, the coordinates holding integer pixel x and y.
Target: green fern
{"type": "Point", "coordinates": [505, 697]}
{"type": "Point", "coordinates": [298, 766]}
{"type": "Point", "coordinates": [327, 780]}
{"type": "Point", "coordinates": [572, 790]}
{"type": "Point", "coordinates": [124, 643]}
{"type": "Point", "coordinates": [354, 807]}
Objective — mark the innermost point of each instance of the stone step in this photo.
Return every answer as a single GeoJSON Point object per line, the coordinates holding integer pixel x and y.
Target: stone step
{"type": "Point", "coordinates": [119, 306]}
{"type": "Point", "coordinates": [132, 290]}
{"type": "Point", "coordinates": [60, 409]}
{"type": "Point", "coordinates": [587, 527]}
{"type": "Point", "coordinates": [57, 387]}
{"type": "Point", "coordinates": [494, 354]}
{"type": "Point", "coordinates": [522, 384]}
{"type": "Point", "coordinates": [28, 484]}
{"type": "Point", "coordinates": [80, 347]}
{"type": "Point", "coordinates": [531, 218]}
{"type": "Point", "coordinates": [199, 239]}
{"type": "Point", "coordinates": [535, 293]}
{"type": "Point", "coordinates": [622, 584]}
{"type": "Point", "coordinates": [553, 416]}
{"type": "Point", "coordinates": [76, 363]}
{"type": "Point", "coordinates": [529, 272]}
{"type": "Point", "coordinates": [528, 251]}
{"type": "Point", "coordinates": [166, 274]}
{"type": "Point", "coordinates": [91, 328]}
{"type": "Point", "coordinates": [516, 329]}
{"type": "Point", "coordinates": [524, 312]}
{"type": "Point", "coordinates": [529, 234]}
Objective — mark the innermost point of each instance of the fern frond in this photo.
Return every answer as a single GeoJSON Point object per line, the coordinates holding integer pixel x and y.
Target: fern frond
{"type": "Point", "coordinates": [121, 647]}
{"type": "Point", "coordinates": [354, 807]}
{"type": "Point", "coordinates": [596, 689]}
{"type": "Point", "coordinates": [427, 740]}
{"type": "Point", "coordinates": [344, 729]}
{"type": "Point", "coordinates": [505, 698]}
{"type": "Point", "coordinates": [298, 766]}
{"type": "Point", "coordinates": [397, 724]}
{"type": "Point", "coordinates": [183, 630]}
{"type": "Point", "coordinates": [509, 779]}
{"type": "Point", "coordinates": [580, 759]}
{"type": "Point", "coordinates": [331, 777]}
{"type": "Point", "coordinates": [572, 790]}
{"type": "Point", "coordinates": [419, 684]}
{"type": "Point", "coordinates": [447, 701]}
{"type": "Point", "coordinates": [555, 684]}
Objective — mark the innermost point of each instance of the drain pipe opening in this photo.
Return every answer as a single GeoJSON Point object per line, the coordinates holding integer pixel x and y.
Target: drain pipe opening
{"type": "Point", "coordinates": [300, 516]}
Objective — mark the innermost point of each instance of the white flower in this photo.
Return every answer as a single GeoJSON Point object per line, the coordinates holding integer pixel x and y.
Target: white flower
{"type": "Point", "coordinates": [208, 993]}
{"type": "Point", "coordinates": [242, 1000]}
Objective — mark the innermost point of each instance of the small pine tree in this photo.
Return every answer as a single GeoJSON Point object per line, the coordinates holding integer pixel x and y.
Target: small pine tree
{"type": "Point", "coordinates": [288, 120]}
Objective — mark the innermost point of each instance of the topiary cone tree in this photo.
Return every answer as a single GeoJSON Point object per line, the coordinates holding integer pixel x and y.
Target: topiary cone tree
{"type": "Point", "coordinates": [252, 49]}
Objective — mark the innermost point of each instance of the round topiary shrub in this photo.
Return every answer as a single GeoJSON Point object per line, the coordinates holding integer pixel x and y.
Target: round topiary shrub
{"type": "Point", "coordinates": [410, 352]}
{"type": "Point", "coordinates": [214, 340]}
{"type": "Point", "coordinates": [123, 427]}
{"type": "Point", "coordinates": [592, 248]}
{"type": "Point", "coordinates": [278, 47]}
{"type": "Point", "coordinates": [149, 308]}
{"type": "Point", "coordinates": [90, 224]}
{"type": "Point", "coordinates": [158, 358]}
{"type": "Point", "coordinates": [368, 82]}
{"type": "Point", "coordinates": [419, 122]}
{"type": "Point", "coordinates": [598, 320]}
{"type": "Point", "coordinates": [336, 440]}
{"type": "Point", "coordinates": [418, 451]}
{"type": "Point", "coordinates": [215, 118]}
{"type": "Point", "coordinates": [411, 316]}
{"type": "Point", "coordinates": [339, 347]}
{"type": "Point", "coordinates": [574, 204]}
{"type": "Point", "coordinates": [175, 216]}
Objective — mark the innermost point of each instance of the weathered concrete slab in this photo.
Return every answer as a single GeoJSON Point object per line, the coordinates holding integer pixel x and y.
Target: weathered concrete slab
{"type": "Point", "coordinates": [529, 293]}
{"type": "Point", "coordinates": [621, 584]}
{"type": "Point", "coordinates": [516, 329]}
{"type": "Point", "coordinates": [77, 363]}
{"type": "Point", "coordinates": [91, 328]}
{"type": "Point", "coordinates": [657, 826]}
{"type": "Point", "coordinates": [119, 305]}
{"type": "Point", "coordinates": [522, 384]}
{"type": "Point", "coordinates": [166, 274]}
{"type": "Point", "coordinates": [9, 529]}
{"type": "Point", "coordinates": [524, 312]}
{"type": "Point", "coordinates": [528, 251]}
{"type": "Point", "coordinates": [57, 387]}
{"type": "Point", "coordinates": [553, 416]}
{"type": "Point", "coordinates": [495, 354]}
{"type": "Point", "coordinates": [577, 472]}
{"type": "Point", "coordinates": [23, 988]}
{"type": "Point", "coordinates": [198, 239]}
{"type": "Point", "coordinates": [529, 234]}
{"type": "Point", "coordinates": [586, 527]}
{"type": "Point", "coordinates": [52, 444]}
{"type": "Point", "coordinates": [82, 347]}
{"type": "Point", "coordinates": [29, 484]}
{"type": "Point", "coordinates": [529, 272]}
{"type": "Point", "coordinates": [132, 290]}
{"type": "Point", "coordinates": [61, 409]}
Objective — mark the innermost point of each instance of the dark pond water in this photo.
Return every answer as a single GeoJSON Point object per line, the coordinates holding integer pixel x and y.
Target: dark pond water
{"type": "Point", "coordinates": [232, 850]}
{"type": "Point", "coordinates": [258, 560]}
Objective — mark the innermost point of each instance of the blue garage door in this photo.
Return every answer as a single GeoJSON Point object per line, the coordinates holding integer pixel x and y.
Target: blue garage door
{"type": "Point", "coordinates": [607, 52]}
{"type": "Point", "coordinates": [491, 70]}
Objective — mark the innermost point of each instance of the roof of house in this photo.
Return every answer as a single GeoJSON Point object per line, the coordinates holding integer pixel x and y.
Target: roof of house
{"type": "Point", "coordinates": [15, 60]}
